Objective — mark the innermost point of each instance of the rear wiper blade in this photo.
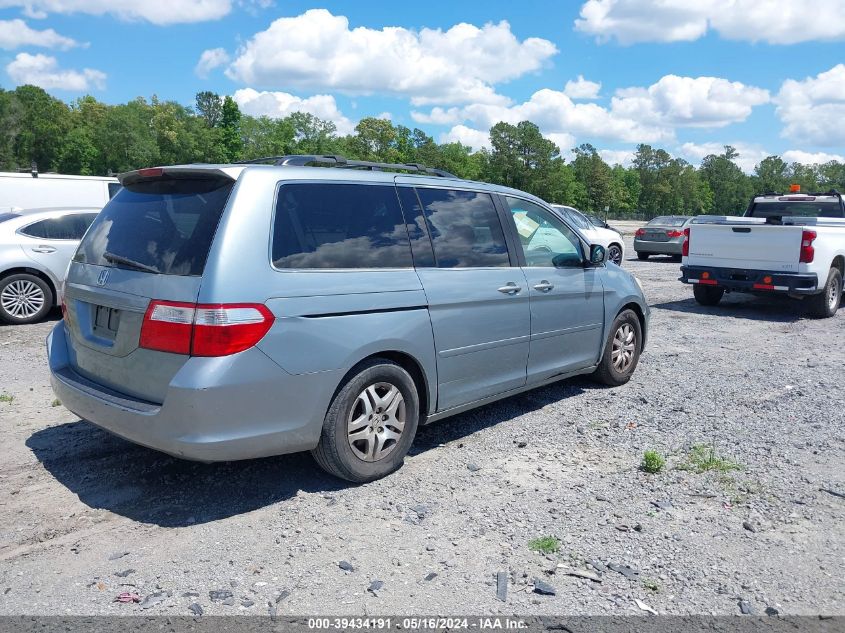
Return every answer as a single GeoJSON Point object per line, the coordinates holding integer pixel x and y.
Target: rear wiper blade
{"type": "Point", "coordinates": [118, 259]}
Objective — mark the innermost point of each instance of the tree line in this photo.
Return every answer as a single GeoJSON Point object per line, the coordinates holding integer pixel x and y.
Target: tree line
{"type": "Point", "coordinates": [88, 137]}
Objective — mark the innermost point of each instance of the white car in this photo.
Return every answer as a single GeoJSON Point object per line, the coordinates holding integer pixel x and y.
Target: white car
{"type": "Point", "coordinates": [35, 249]}
{"type": "Point", "coordinates": [610, 239]}
{"type": "Point", "coordinates": [791, 244]}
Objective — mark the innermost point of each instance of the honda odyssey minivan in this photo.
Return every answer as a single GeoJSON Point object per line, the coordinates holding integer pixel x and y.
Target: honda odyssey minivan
{"type": "Point", "coordinates": [223, 312]}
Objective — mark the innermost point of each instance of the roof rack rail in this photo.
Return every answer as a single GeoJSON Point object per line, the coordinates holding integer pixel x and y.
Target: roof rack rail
{"type": "Point", "coordinates": [335, 160]}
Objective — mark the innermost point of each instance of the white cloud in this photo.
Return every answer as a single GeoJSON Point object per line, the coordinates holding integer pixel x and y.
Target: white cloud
{"type": "Point", "coordinates": [565, 142]}
{"type": "Point", "coordinates": [156, 11]}
{"type": "Point", "coordinates": [17, 33]}
{"type": "Point", "coordinates": [476, 139]}
{"type": "Point", "coordinates": [209, 60]}
{"type": "Point", "coordinates": [690, 102]}
{"type": "Point", "coordinates": [635, 115]}
{"type": "Point", "coordinates": [43, 70]}
{"type": "Point", "coordinates": [281, 104]}
{"type": "Point", "coordinates": [772, 21]}
{"type": "Point", "coordinates": [319, 51]}
{"type": "Point", "coordinates": [582, 89]}
{"type": "Point", "coordinates": [622, 157]}
{"type": "Point", "coordinates": [813, 109]}
{"type": "Point", "coordinates": [750, 154]}
{"type": "Point", "coordinates": [810, 158]}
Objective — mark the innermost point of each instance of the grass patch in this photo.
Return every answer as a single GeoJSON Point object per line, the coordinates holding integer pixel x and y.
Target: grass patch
{"type": "Point", "coordinates": [651, 585]}
{"type": "Point", "coordinates": [4, 397]}
{"type": "Point", "coordinates": [653, 462]}
{"type": "Point", "coordinates": [544, 545]}
{"type": "Point", "coordinates": [56, 403]}
{"type": "Point", "coordinates": [703, 458]}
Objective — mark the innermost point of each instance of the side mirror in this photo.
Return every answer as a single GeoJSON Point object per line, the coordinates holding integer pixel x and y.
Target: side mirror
{"type": "Point", "coordinates": [598, 255]}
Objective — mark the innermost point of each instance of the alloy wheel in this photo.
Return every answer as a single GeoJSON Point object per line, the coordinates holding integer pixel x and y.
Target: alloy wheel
{"type": "Point", "coordinates": [22, 299]}
{"type": "Point", "coordinates": [624, 346]}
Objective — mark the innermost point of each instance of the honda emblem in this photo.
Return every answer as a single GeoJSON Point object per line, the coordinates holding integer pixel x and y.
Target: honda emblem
{"type": "Point", "coordinates": [103, 278]}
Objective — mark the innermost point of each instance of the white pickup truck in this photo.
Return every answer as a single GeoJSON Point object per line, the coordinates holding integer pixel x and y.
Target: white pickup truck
{"type": "Point", "coordinates": [792, 244]}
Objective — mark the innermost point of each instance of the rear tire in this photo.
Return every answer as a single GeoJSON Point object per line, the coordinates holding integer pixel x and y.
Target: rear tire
{"type": "Point", "coordinates": [825, 304]}
{"type": "Point", "coordinates": [642, 256]}
{"type": "Point", "coordinates": [614, 254]}
{"type": "Point", "coordinates": [370, 424]}
{"type": "Point", "coordinates": [24, 298]}
{"type": "Point", "coordinates": [708, 295]}
{"type": "Point", "coordinates": [621, 351]}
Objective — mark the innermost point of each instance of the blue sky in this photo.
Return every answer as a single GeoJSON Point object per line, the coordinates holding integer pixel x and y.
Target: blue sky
{"type": "Point", "coordinates": [765, 77]}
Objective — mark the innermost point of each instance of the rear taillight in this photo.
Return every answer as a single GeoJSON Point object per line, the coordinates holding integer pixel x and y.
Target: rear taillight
{"type": "Point", "coordinates": [204, 329]}
{"type": "Point", "coordinates": [808, 253]}
{"type": "Point", "coordinates": [674, 233]}
{"type": "Point", "coordinates": [220, 330]}
{"type": "Point", "coordinates": [685, 247]}
{"type": "Point", "coordinates": [639, 233]}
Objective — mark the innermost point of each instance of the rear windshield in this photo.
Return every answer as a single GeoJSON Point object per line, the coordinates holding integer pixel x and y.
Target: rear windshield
{"type": "Point", "coordinates": [669, 220]}
{"type": "Point", "coordinates": [8, 216]}
{"type": "Point", "coordinates": [821, 209]}
{"type": "Point", "coordinates": [162, 226]}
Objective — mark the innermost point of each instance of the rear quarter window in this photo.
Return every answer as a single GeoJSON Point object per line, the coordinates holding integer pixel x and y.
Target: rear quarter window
{"type": "Point", "coordinates": [341, 226]}
{"type": "Point", "coordinates": [164, 226]}
{"type": "Point", "coordinates": [66, 227]}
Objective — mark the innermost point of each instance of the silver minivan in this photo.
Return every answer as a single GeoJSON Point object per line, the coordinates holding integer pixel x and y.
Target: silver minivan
{"type": "Point", "coordinates": [223, 312]}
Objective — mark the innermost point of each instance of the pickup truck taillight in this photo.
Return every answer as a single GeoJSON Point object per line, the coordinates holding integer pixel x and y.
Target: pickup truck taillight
{"type": "Point", "coordinates": [808, 253]}
{"type": "Point", "coordinates": [202, 329]}
{"type": "Point", "coordinates": [685, 247]}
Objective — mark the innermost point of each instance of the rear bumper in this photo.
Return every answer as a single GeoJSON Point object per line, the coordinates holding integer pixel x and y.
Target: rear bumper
{"type": "Point", "coordinates": [216, 409]}
{"type": "Point", "coordinates": [658, 248]}
{"type": "Point", "coordinates": [748, 280]}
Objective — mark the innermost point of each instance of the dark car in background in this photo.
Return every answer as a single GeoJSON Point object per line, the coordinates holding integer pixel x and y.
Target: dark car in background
{"type": "Point", "coordinates": [664, 235]}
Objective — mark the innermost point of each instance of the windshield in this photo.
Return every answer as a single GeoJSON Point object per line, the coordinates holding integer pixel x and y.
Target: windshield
{"type": "Point", "coordinates": [162, 226]}
{"type": "Point", "coordinates": [798, 209]}
{"type": "Point", "coordinates": [669, 220]}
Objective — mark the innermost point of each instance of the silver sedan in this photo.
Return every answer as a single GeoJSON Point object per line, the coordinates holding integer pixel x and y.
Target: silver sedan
{"type": "Point", "coordinates": [35, 249]}
{"type": "Point", "coordinates": [663, 235]}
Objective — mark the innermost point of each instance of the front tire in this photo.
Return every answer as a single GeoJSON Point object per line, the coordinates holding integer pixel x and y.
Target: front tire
{"type": "Point", "coordinates": [24, 298]}
{"type": "Point", "coordinates": [370, 424]}
{"type": "Point", "coordinates": [622, 350]}
{"type": "Point", "coordinates": [708, 295]}
{"type": "Point", "coordinates": [825, 304]}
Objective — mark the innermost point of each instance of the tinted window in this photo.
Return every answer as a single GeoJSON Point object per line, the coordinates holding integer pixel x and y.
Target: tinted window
{"type": "Point", "coordinates": [545, 240]}
{"type": "Point", "coordinates": [339, 226]}
{"type": "Point", "coordinates": [114, 187]}
{"type": "Point", "coordinates": [8, 216]}
{"type": "Point", "coordinates": [163, 226]}
{"type": "Point", "coordinates": [465, 228]}
{"type": "Point", "coordinates": [417, 229]}
{"type": "Point", "coordinates": [821, 209]}
{"type": "Point", "coordinates": [66, 227]}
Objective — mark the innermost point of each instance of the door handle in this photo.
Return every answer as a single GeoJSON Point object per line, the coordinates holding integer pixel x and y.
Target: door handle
{"type": "Point", "coordinates": [510, 288]}
{"type": "Point", "coordinates": [44, 249]}
{"type": "Point", "coordinates": [544, 286]}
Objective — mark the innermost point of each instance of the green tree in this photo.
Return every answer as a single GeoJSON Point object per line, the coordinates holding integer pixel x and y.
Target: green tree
{"type": "Point", "coordinates": [210, 107]}
{"type": "Point", "coordinates": [731, 188]}
{"type": "Point", "coordinates": [44, 121]}
{"type": "Point", "coordinates": [595, 175]}
{"type": "Point", "coordinates": [230, 125]}
{"type": "Point", "coordinates": [772, 174]}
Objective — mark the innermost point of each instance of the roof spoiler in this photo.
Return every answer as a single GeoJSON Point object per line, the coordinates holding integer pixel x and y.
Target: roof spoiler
{"type": "Point", "coordinates": [179, 172]}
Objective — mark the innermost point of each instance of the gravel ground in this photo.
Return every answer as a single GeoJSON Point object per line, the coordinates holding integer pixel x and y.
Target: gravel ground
{"type": "Point", "coordinates": [86, 516]}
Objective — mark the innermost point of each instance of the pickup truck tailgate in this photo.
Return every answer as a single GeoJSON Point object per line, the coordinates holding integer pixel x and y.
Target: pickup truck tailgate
{"type": "Point", "coordinates": [745, 245]}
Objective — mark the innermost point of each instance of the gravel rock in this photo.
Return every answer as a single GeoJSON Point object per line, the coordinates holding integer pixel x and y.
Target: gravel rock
{"type": "Point", "coordinates": [153, 599]}
{"type": "Point", "coordinates": [195, 608]}
{"type": "Point", "coordinates": [502, 586]}
{"type": "Point", "coordinates": [346, 566]}
{"type": "Point", "coordinates": [219, 595]}
{"type": "Point", "coordinates": [544, 588]}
